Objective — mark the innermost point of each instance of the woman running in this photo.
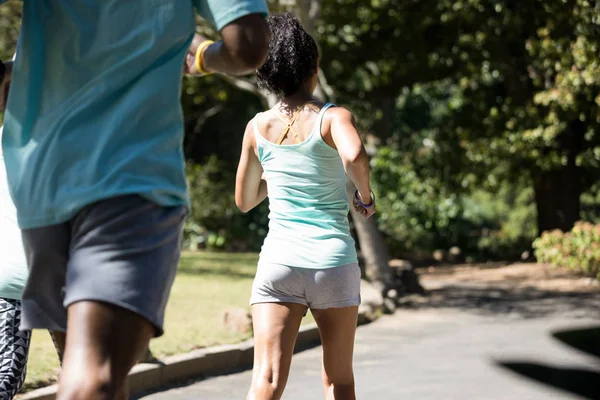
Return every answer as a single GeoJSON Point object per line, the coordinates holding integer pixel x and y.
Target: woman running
{"type": "Point", "coordinates": [296, 154]}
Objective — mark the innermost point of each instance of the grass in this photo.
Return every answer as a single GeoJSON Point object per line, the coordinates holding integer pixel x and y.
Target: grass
{"type": "Point", "coordinates": [206, 285]}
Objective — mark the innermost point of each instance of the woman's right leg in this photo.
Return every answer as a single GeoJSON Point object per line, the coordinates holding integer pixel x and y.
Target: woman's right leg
{"type": "Point", "coordinates": [276, 327]}
{"type": "Point", "coordinates": [337, 327]}
{"type": "Point", "coordinates": [14, 349]}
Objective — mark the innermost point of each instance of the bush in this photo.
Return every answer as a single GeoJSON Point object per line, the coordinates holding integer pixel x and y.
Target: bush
{"type": "Point", "coordinates": [578, 250]}
{"type": "Point", "coordinates": [215, 223]}
{"type": "Point", "coordinates": [420, 212]}
{"type": "Point", "coordinates": [504, 221]}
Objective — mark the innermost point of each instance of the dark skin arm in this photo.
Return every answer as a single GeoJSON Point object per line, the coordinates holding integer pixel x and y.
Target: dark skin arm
{"type": "Point", "coordinates": [242, 50]}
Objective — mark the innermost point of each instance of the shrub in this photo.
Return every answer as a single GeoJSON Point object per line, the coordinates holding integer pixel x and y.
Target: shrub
{"type": "Point", "coordinates": [420, 212]}
{"type": "Point", "coordinates": [215, 223]}
{"type": "Point", "coordinates": [578, 250]}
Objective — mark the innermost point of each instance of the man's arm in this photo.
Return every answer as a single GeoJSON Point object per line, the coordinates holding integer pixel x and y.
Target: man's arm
{"type": "Point", "coordinates": [244, 33]}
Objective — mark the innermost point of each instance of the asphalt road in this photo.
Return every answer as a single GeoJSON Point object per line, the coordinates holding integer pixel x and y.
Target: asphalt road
{"type": "Point", "coordinates": [447, 353]}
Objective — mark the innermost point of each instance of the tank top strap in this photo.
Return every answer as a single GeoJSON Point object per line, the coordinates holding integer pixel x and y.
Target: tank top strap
{"type": "Point", "coordinates": [258, 138]}
{"type": "Point", "coordinates": [255, 126]}
{"type": "Point", "coordinates": [319, 121]}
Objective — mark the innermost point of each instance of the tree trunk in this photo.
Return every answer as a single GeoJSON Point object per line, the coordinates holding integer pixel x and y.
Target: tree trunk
{"type": "Point", "coordinates": [558, 192]}
{"type": "Point", "coordinates": [557, 199]}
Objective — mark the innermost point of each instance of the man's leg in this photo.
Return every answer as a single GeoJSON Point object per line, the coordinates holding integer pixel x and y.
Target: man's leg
{"type": "Point", "coordinates": [103, 343]}
{"type": "Point", "coordinates": [123, 257]}
{"type": "Point", "coordinates": [60, 342]}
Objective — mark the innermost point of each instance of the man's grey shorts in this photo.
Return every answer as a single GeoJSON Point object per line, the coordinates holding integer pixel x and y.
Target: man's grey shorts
{"type": "Point", "coordinates": [315, 288]}
{"type": "Point", "coordinates": [123, 251]}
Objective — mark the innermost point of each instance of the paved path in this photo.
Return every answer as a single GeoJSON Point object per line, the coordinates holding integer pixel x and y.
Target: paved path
{"type": "Point", "coordinates": [439, 353]}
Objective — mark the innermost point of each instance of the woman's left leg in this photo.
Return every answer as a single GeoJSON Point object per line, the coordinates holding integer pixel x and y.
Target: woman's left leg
{"type": "Point", "coordinates": [276, 327]}
{"type": "Point", "coordinates": [14, 349]}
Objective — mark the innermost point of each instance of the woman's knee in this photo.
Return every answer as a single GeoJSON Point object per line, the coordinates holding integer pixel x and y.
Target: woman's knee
{"type": "Point", "coordinates": [268, 385]}
{"type": "Point", "coordinates": [338, 375]}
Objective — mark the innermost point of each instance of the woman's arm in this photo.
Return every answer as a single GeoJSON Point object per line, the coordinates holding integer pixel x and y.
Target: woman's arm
{"type": "Point", "coordinates": [250, 188]}
{"type": "Point", "coordinates": [353, 154]}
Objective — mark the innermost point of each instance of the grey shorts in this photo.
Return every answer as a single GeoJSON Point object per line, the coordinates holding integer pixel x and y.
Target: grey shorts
{"type": "Point", "coordinates": [315, 288]}
{"type": "Point", "coordinates": [122, 251]}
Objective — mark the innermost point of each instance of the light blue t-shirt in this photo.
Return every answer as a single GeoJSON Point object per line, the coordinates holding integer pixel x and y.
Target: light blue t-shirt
{"type": "Point", "coordinates": [94, 108]}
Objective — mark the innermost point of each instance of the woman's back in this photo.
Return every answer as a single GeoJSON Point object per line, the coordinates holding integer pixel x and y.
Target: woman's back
{"type": "Point", "coordinates": [308, 220]}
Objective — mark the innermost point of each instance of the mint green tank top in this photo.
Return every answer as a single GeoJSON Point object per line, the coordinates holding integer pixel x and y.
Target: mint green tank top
{"type": "Point", "coordinates": [308, 219]}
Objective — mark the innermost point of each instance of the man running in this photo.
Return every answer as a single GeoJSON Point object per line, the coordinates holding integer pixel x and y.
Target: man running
{"type": "Point", "coordinates": [93, 148]}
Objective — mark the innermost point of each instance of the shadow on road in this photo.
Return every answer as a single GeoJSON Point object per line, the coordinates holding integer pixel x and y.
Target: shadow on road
{"type": "Point", "coordinates": [585, 340]}
{"type": "Point", "coordinates": [582, 382]}
{"type": "Point", "coordinates": [579, 381]}
{"type": "Point", "coordinates": [525, 302]}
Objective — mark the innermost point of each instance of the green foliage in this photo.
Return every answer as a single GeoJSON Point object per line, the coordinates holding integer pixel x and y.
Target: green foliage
{"type": "Point", "coordinates": [419, 213]}
{"type": "Point", "coordinates": [10, 23]}
{"type": "Point", "coordinates": [413, 209]}
{"type": "Point", "coordinates": [590, 204]}
{"type": "Point", "coordinates": [215, 223]}
{"type": "Point", "coordinates": [520, 83]}
{"type": "Point", "coordinates": [504, 221]}
{"type": "Point", "coordinates": [578, 250]}
{"type": "Point", "coordinates": [215, 118]}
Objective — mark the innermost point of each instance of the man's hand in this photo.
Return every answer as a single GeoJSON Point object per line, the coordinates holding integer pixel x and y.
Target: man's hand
{"type": "Point", "coordinates": [5, 85]}
{"type": "Point", "coordinates": [242, 49]}
{"type": "Point", "coordinates": [190, 59]}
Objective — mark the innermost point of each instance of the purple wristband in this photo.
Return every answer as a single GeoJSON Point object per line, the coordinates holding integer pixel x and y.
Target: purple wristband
{"type": "Point", "coordinates": [363, 205]}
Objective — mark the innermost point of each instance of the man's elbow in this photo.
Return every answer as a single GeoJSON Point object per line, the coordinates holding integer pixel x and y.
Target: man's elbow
{"type": "Point", "coordinates": [251, 42]}
{"type": "Point", "coordinates": [253, 60]}
{"type": "Point", "coordinates": [252, 53]}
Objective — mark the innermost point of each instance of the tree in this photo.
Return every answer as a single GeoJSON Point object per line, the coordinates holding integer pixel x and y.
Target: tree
{"type": "Point", "coordinates": [520, 77]}
{"type": "Point", "coordinates": [531, 103]}
{"type": "Point", "coordinates": [10, 24]}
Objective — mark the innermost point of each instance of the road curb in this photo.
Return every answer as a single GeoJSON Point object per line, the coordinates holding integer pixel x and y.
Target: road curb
{"type": "Point", "coordinates": [197, 363]}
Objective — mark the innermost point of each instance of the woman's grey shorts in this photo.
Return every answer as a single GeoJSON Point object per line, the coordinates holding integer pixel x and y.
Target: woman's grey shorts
{"type": "Point", "coordinates": [315, 288]}
{"type": "Point", "coordinates": [122, 251]}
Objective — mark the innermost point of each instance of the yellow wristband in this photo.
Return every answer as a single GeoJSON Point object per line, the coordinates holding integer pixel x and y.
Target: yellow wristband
{"type": "Point", "coordinates": [199, 56]}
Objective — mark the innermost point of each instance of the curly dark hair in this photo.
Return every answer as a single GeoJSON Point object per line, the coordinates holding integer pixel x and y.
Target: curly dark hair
{"type": "Point", "coordinates": [292, 58]}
